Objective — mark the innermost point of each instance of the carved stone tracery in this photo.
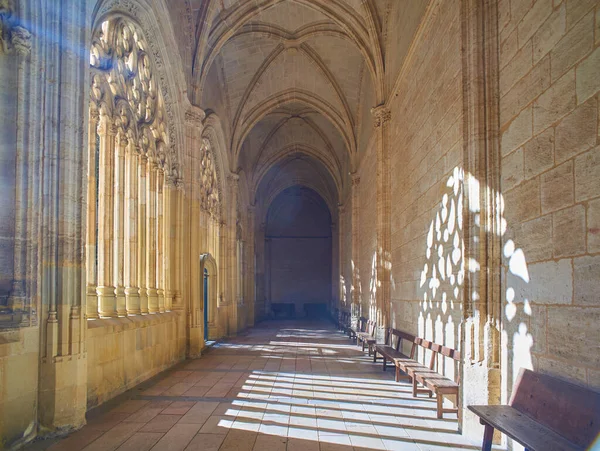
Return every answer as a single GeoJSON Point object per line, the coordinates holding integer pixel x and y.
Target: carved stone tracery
{"type": "Point", "coordinates": [124, 81]}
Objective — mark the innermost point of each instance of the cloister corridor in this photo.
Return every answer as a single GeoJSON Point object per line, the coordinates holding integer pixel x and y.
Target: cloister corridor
{"type": "Point", "coordinates": [284, 385]}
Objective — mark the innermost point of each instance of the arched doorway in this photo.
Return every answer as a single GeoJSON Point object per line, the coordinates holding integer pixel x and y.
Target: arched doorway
{"type": "Point", "coordinates": [206, 304]}
{"type": "Point", "coordinates": [208, 285]}
{"type": "Point", "coordinates": [298, 253]}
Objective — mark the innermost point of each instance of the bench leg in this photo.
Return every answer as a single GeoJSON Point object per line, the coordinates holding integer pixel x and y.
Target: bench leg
{"type": "Point", "coordinates": [397, 374]}
{"type": "Point", "coordinates": [374, 355]}
{"type": "Point", "coordinates": [384, 364]}
{"type": "Point", "coordinates": [363, 346]}
{"type": "Point", "coordinates": [488, 434]}
{"type": "Point", "coordinates": [440, 406]}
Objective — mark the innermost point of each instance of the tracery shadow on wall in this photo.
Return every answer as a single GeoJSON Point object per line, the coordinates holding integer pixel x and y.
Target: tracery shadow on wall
{"type": "Point", "coordinates": [442, 279]}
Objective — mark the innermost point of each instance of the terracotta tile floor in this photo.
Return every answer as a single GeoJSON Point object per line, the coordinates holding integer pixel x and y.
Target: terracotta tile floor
{"type": "Point", "coordinates": [282, 386]}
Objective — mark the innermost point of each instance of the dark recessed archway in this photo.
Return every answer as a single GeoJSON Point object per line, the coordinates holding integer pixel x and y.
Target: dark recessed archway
{"type": "Point", "coordinates": [298, 254]}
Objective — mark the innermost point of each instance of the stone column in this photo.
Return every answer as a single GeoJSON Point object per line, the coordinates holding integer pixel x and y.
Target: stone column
{"type": "Point", "coordinates": [356, 283]}
{"type": "Point", "coordinates": [160, 240]}
{"type": "Point", "coordinates": [170, 225]}
{"type": "Point", "coordinates": [132, 291]}
{"type": "Point", "coordinates": [267, 277]}
{"type": "Point", "coordinates": [151, 238]}
{"type": "Point", "coordinates": [60, 239]}
{"type": "Point", "coordinates": [142, 231]}
{"type": "Point", "coordinates": [232, 263]}
{"type": "Point", "coordinates": [106, 290]}
{"type": "Point", "coordinates": [482, 298]}
{"type": "Point", "coordinates": [249, 276]}
{"type": "Point", "coordinates": [382, 118]}
{"type": "Point", "coordinates": [119, 222]}
{"type": "Point", "coordinates": [92, 217]}
{"type": "Point", "coordinates": [341, 280]}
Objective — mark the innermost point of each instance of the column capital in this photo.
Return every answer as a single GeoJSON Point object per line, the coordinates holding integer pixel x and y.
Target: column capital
{"type": "Point", "coordinates": [14, 39]}
{"type": "Point", "coordinates": [355, 178]}
{"type": "Point", "coordinates": [381, 115]}
{"type": "Point", "coordinates": [194, 116]}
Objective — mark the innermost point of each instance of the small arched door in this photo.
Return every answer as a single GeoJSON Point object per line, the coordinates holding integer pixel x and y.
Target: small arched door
{"type": "Point", "coordinates": [206, 304]}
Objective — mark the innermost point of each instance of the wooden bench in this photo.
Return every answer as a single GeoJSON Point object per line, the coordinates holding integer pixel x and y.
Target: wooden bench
{"type": "Point", "coordinates": [367, 338]}
{"type": "Point", "coordinates": [545, 414]}
{"type": "Point", "coordinates": [392, 350]}
{"type": "Point", "coordinates": [433, 382]}
{"type": "Point", "coordinates": [354, 329]}
{"type": "Point", "coordinates": [425, 375]}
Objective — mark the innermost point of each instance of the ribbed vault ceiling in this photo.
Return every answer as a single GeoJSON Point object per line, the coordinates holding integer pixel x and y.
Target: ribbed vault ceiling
{"type": "Point", "coordinates": [290, 79]}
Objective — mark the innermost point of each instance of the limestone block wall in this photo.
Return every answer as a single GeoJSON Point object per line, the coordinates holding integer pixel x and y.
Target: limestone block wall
{"type": "Point", "coordinates": [19, 351]}
{"type": "Point", "coordinates": [549, 84]}
{"type": "Point", "coordinates": [123, 352]}
{"type": "Point", "coordinates": [426, 163]}
{"type": "Point", "coordinates": [367, 214]}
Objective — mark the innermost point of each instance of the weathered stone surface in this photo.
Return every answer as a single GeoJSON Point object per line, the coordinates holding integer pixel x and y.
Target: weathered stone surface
{"type": "Point", "coordinates": [587, 175]}
{"type": "Point", "coordinates": [554, 103]}
{"type": "Point", "coordinates": [518, 132]}
{"type": "Point", "coordinates": [525, 90]}
{"type": "Point", "coordinates": [536, 16]}
{"type": "Point", "coordinates": [587, 282]}
{"type": "Point", "coordinates": [557, 187]}
{"type": "Point", "coordinates": [523, 202]}
{"type": "Point", "coordinates": [546, 37]}
{"type": "Point", "coordinates": [577, 131]}
{"type": "Point", "coordinates": [516, 68]}
{"type": "Point", "coordinates": [577, 9]}
{"type": "Point", "coordinates": [549, 283]}
{"type": "Point", "coordinates": [553, 366]}
{"type": "Point", "coordinates": [512, 169]}
{"type": "Point", "coordinates": [588, 82]}
{"type": "Point", "coordinates": [569, 231]}
{"type": "Point", "coordinates": [593, 226]}
{"type": "Point", "coordinates": [538, 154]}
{"type": "Point", "coordinates": [535, 237]}
{"type": "Point", "coordinates": [573, 46]}
{"type": "Point", "coordinates": [572, 332]}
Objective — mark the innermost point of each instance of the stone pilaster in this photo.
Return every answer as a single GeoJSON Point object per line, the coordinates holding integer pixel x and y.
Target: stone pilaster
{"type": "Point", "coordinates": [382, 116]}
{"type": "Point", "coordinates": [107, 300]}
{"type": "Point", "coordinates": [142, 231]}
{"type": "Point", "coordinates": [92, 217]}
{"type": "Point", "coordinates": [232, 264]}
{"type": "Point", "coordinates": [169, 239]}
{"type": "Point", "coordinates": [356, 283]}
{"type": "Point", "coordinates": [339, 283]}
{"type": "Point", "coordinates": [160, 240]}
{"type": "Point", "coordinates": [62, 393]}
{"type": "Point", "coordinates": [130, 277]}
{"type": "Point", "coordinates": [482, 220]}
{"type": "Point", "coordinates": [119, 221]}
{"type": "Point", "coordinates": [151, 218]}
{"type": "Point", "coordinates": [249, 277]}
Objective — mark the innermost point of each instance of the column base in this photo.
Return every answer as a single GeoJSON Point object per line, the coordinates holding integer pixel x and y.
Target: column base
{"type": "Point", "coordinates": [152, 294]}
{"type": "Point", "coordinates": [91, 302]}
{"type": "Point", "coordinates": [62, 393]}
{"type": "Point", "coordinates": [107, 302]}
{"type": "Point", "coordinates": [132, 301]}
{"type": "Point", "coordinates": [120, 294]}
{"type": "Point", "coordinates": [161, 301]}
{"type": "Point", "coordinates": [143, 301]}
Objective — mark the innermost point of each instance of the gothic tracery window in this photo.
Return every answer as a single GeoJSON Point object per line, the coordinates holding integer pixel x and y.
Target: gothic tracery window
{"type": "Point", "coordinates": [132, 170]}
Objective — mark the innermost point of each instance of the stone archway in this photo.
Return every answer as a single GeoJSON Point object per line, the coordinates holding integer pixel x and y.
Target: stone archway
{"type": "Point", "coordinates": [208, 270]}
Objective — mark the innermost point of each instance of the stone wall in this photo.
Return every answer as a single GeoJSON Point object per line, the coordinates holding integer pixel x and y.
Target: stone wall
{"type": "Point", "coordinates": [425, 155]}
{"type": "Point", "coordinates": [19, 349]}
{"type": "Point", "coordinates": [123, 352]}
{"type": "Point", "coordinates": [549, 83]}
